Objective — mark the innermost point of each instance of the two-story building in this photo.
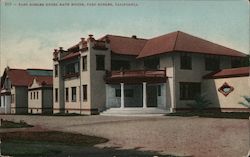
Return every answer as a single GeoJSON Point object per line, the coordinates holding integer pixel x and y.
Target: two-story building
{"type": "Point", "coordinates": [130, 74]}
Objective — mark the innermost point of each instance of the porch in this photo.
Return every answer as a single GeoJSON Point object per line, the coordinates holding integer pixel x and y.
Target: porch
{"type": "Point", "coordinates": [137, 91]}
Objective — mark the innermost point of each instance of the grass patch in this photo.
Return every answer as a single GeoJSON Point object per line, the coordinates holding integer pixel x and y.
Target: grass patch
{"type": "Point", "coordinates": [10, 124]}
{"type": "Point", "coordinates": [230, 115]}
{"type": "Point", "coordinates": [53, 137]}
{"type": "Point", "coordinates": [46, 143]}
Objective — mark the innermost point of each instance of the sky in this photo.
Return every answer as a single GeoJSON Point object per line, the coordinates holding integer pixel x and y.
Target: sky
{"type": "Point", "coordinates": [29, 33]}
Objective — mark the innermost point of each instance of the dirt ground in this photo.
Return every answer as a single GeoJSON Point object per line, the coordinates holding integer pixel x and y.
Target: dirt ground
{"type": "Point", "coordinates": [181, 136]}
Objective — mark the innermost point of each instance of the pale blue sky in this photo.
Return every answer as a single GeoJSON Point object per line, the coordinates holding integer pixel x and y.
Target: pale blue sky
{"type": "Point", "coordinates": [29, 34]}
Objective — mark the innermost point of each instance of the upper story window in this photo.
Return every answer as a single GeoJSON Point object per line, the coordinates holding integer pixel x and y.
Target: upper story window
{"type": "Point", "coordinates": [120, 65]}
{"type": "Point", "coordinates": [100, 62]}
{"type": "Point", "coordinates": [72, 68]}
{"type": "Point", "coordinates": [189, 90]}
{"type": "Point", "coordinates": [56, 70]}
{"type": "Point", "coordinates": [212, 62]}
{"type": "Point", "coordinates": [84, 63]}
{"type": "Point", "coordinates": [237, 62]}
{"type": "Point", "coordinates": [152, 63]}
{"type": "Point", "coordinates": [186, 61]}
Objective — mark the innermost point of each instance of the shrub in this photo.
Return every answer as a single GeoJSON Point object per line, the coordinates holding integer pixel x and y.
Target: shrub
{"type": "Point", "coordinates": [200, 103]}
{"type": "Point", "coordinates": [246, 102]}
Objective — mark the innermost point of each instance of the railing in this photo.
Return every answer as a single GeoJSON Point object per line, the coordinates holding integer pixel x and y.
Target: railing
{"type": "Point", "coordinates": [71, 75]}
{"type": "Point", "coordinates": [138, 73]}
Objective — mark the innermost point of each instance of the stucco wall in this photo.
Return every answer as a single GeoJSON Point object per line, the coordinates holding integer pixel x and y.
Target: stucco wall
{"type": "Point", "coordinates": [194, 75]}
{"type": "Point", "coordinates": [34, 104]}
{"type": "Point", "coordinates": [241, 87]}
{"type": "Point", "coordinates": [98, 84]}
{"type": "Point", "coordinates": [5, 104]}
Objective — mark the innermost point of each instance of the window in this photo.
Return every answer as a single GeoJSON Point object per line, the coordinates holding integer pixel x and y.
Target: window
{"type": "Point", "coordinates": [56, 94]}
{"type": "Point", "coordinates": [73, 94]}
{"type": "Point", "coordinates": [152, 63]}
{"type": "Point", "coordinates": [84, 63]}
{"type": "Point", "coordinates": [100, 62]}
{"type": "Point", "coordinates": [159, 90]}
{"type": "Point", "coordinates": [127, 92]}
{"type": "Point", "coordinates": [84, 89]}
{"type": "Point", "coordinates": [186, 61]}
{"type": "Point", "coordinates": [212, 62]}
{"type": "Point", "coordinates": [120, 65]}
{"type": "Point", "coordinates": [66, 94]}
{"type": "Point", "coordinates": [31, 95]}
{"type": "Point", "coordinates": [189, 90]}
{"type": "Point", "coordinates": [34, 95]}
{"type": "Point", "coordinates": [72, 68]}
{"type": "Point", "coordinates": [56, 70]}
{"type": "Point", "coordinates": [12, 98]}
{"type": "Point", "coordinates": [37, 95]}
{"type": "Point", "coordinates": [237, 62]}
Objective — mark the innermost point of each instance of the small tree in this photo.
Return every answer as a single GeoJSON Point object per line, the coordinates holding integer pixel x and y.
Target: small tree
{"type": "Point", "coordinates": [200, 103]}
{"type": "Point", "coordinates": [246, 103]}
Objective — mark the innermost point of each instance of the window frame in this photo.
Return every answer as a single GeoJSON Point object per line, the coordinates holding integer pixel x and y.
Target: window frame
{"type": "Point", "coordinates": [185, 61]}
{"type": "Point", "coordinates": [212, 62]}
{"type": "Point", "coordinates": [66, 94]}
{"type": "Point", "coordinates": [85, 92]}
{"type": "Point", "coordinates": [56, 94]}
{"type": "Point", "coordinates": [100, 59]}
{"type": "Point", "coordinates": [73, 93]}
{"type": "Point", "coordinates": [84, 63]}
{"type": "Point", "coordinates": [189, 90]}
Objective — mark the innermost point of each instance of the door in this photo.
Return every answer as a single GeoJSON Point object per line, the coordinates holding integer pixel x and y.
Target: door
{"type": "Point", "coordinates": [151, 96]}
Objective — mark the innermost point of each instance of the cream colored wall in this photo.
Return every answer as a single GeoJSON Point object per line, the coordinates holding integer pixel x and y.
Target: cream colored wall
{"type": "Point", "coordinates": [35, 105]}
{"type": "Point", "coordinates": [194, 75]}
{"type": "Point", "coordinates": [97, 82]}
{"type": "Point", "coordinates": [69, 83]}
{"type": "Point", "coordinates": [241, 87]}
{"type": "Point", "coordinates": [56, 84]}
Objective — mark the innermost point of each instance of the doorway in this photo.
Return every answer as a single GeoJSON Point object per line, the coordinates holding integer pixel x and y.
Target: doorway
{"type": "Point", "coordinates": [151, 96]}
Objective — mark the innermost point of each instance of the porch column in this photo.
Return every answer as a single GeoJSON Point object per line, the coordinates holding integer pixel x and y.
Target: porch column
{"type": "Point", "coordinates": [144, 96]}
{"type": "Point", "coordinates": [122, 95]}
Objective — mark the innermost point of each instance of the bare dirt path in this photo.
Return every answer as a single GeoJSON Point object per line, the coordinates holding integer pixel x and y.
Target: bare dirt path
{"type": "Point", "coordinates": [189, 136]}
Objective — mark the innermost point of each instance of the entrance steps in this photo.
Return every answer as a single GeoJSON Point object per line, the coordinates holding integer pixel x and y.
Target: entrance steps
{"type": "Point", "coordinates": [134, 111]}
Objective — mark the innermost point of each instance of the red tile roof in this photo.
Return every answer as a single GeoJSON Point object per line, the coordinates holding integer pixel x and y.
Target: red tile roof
{"type": "Point", "coordinates": [125, 45]}
{"type": "Point", "coordinates": [180, 41]}
{"type": "Point", "coordinates": [21, 77]}
{"type": "Point", "coordinates": [70, 55]}
{"type": "Point", "coordinates": [226, 73]}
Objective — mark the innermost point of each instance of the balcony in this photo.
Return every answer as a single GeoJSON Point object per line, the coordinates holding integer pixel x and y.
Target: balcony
{"type": "Point", "coordinates": [136, 76]}
{"type": "Point", "coordinates": [70, 75]}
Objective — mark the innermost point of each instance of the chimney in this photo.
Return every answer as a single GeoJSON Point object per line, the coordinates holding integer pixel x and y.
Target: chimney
{"type": "Point", "coordinates": [91, 38]}
{"type": "Point", "coordinates": [82, 40]}
{"type": "Point", "coordinates": [134, 37]}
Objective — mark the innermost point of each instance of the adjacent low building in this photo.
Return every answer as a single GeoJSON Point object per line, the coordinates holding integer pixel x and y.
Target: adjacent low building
{"type": "Point", "coordinates": [40, 95]}
{"type": "Point", "coordinates": [14, 88]}
{"type": "Point", "coordinates": [128, 74]}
